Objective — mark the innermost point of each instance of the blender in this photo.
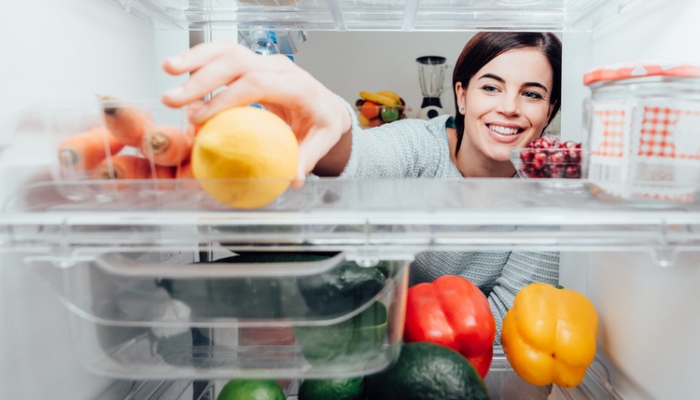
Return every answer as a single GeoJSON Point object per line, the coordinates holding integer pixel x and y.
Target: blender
{"type": "Point", "coordinates": [431, 73]}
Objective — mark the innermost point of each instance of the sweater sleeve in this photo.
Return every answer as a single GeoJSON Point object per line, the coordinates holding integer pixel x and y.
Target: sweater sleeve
{"type": "Point", "coordinates": [521, 269]}
{"type": "Point", "coordinates": [407, 148]}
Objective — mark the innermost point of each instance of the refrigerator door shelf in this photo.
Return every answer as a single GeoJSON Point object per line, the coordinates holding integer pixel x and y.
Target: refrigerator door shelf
{"type": "Point", "coordinates": [402, 15]}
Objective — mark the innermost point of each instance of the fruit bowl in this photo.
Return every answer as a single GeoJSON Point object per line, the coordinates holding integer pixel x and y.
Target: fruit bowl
{"type": "Point", "coordinates": [547, 157]}
{"type": "Point", "coordinates": [380, 115]}
{"type": "Point", "coordinates": [376, 109]}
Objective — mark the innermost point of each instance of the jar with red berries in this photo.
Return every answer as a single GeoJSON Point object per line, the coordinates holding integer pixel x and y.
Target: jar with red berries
{"type": "Point", "coordinates": [643, 131]}
{"type": "Point", "coordinates": [548, 157]}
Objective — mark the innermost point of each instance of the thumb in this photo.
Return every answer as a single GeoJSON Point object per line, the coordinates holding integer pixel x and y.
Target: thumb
{"type": "Point", "coordinates": [298, 182]}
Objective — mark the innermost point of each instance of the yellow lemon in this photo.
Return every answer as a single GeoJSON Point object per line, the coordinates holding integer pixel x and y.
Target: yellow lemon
{"type": "Point", "coordinates": [245, 157]}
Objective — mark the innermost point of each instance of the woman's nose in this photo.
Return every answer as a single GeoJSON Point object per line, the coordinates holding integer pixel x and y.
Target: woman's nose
{"type": "Point", "coordinates": [509, 105]}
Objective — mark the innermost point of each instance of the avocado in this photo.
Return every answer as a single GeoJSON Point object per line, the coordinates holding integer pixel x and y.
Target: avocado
{"type": "Point", "coordinates": [335, 389]}
{"type": "Point", "coordinates": [427, 371]}
{"type": "Point", "coordinates": [341, 290]}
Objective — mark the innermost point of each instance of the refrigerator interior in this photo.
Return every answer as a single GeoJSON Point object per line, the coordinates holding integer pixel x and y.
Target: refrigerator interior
{"type": "Point", "coordinates": [70, 50]}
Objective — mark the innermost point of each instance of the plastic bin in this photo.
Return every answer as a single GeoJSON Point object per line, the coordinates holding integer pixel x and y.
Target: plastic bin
{"type": "Point", "coordinates": [146, 326]}
{"type": "Point", "coordinates": [97, 141]}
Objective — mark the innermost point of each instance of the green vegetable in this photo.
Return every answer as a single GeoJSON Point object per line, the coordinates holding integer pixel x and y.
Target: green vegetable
{"type": "Point", "coordinates": [342, 289]}
{"type": "Point", "coordinates": [246, 297]}
{"type": "Point", "coordinates": [335, 389]}
{"type": "Point", "coordinates": [427, 371]}
{"type": "Point", "coordinates": [263, 389]}
{"type": "Point", "coordinates": [351, 343]}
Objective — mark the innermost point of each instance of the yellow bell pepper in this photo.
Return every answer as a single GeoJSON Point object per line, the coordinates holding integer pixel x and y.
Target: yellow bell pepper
{"type": "Point", "coordinates": [549, 335]}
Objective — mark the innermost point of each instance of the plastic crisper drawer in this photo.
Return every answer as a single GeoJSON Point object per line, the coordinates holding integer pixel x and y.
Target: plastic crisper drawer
{"type": "Point", "coordinates": [406, 15]}
{"type": "Point", "coordinates": [347, 320]}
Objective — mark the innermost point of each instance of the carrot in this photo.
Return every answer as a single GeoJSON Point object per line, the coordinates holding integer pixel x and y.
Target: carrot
{"type": "Point", "coordinates": [161, 172]}
{"type": "Point", "coordinates": [166, 145]}
{"type": "Point", "coordinates": [185, 172]}
{"type": "Point", "coordinates": [86, 150]}
{"type": "Point", "coordinates": [123, 167]}
{"type": "Point", "coordinates": [128, 124]}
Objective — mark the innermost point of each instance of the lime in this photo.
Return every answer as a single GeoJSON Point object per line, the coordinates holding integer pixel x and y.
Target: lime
{"type": "Point", "coordinates": [262, 389]}
{"type": "Point", "coordinates": [335, 389]}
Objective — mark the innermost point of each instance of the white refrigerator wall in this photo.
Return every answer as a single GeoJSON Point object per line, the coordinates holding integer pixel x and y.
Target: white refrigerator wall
{"type": "Point", "coordinates": [649, 322]}
{"type": "Point", "coordinates": [348, 62]}
{"type": "Point", "coordinates": [54, 51]}
{"type": "Point", "coordinates": [72, 49]}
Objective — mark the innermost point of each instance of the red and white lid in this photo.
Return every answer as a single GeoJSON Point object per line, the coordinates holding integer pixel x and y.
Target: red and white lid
{"type": "Point", "coordinates": [638, 70]}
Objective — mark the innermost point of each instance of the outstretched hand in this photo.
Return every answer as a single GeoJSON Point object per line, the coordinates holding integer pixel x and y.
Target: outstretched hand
{"type": "Point", "coordinates": [315, 114]}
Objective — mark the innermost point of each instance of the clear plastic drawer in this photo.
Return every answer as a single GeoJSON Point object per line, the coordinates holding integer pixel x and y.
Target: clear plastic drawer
{"type": "Point", "coordinates": [344, 320]}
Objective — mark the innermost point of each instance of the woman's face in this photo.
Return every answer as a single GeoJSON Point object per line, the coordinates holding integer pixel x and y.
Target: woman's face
{"type": "Point", "coordinates": [506, 103]}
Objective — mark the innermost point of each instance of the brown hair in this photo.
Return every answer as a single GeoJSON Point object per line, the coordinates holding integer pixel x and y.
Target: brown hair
{"type": "Point", "coordinates": [485, 46]}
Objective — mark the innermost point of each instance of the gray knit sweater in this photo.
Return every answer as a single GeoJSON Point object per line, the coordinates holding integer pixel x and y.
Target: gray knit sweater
{"type": "Point", "coordinates": [419, 149]}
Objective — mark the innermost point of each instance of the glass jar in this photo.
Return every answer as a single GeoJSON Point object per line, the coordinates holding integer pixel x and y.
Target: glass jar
{"type": "Point", "coordinates": [643, 131]}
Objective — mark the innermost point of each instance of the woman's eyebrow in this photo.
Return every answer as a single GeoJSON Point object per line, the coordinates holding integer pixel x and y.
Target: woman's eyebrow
{"type": "Point", "coordinates": [492, 76]}
{"type": "Point", "coordinates": [537, 84]}
{"type": "Point", "coordinates": [498, 78]}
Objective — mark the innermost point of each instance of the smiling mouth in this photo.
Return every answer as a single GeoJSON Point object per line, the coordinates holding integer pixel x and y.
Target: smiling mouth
{"type": "Point", "coordinates": [504, 131]}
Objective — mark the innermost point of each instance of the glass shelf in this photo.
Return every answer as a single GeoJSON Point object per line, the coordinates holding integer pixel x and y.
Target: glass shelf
{"type": "Point", "coordinates": [367, 219]}
{"type": "Point", "coordinates": [377, 15]}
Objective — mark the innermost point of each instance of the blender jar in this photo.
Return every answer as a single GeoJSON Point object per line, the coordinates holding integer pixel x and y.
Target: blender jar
{"type": "Point", "coordinates": [431, 75]}
{"type": "Point", "coordinates": [643, 131]}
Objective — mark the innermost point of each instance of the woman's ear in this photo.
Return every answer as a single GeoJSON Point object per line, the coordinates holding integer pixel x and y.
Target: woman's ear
{"type": "Point", "coordinates": [549, 112]}
{"type": "Point", "coordinates": [460, 92]}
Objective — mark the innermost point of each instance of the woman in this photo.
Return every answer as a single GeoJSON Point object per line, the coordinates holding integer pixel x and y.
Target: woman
{"type": "Point", "coordinates": [507, 89]}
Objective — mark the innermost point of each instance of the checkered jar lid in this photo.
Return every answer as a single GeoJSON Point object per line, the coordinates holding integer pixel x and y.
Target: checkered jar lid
{"type": "Point", "coordinates": [639, 70]}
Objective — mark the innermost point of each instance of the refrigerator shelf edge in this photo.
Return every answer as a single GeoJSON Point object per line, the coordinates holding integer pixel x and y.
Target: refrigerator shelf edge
{"type": "Point", "coordinates": [365, 15]}
{"type": "Point", "coordinates": [360, 217]}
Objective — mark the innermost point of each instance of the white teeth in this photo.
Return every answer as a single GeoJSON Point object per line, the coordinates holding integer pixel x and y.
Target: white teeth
{"type": "Point", "coordinates": [503, 130]}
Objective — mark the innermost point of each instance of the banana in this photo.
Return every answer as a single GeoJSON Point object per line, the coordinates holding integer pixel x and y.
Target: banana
{"type": "Point", "coordinates": [379, 99]}
{"type": "Point", "coordinates": [391, 95]}
{"type": "Point", "coordinates": [364, 122]}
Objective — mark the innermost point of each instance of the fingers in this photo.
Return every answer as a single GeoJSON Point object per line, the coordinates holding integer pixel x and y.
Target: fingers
{"type": "Point", "coordinates": [259, 86]}
{"type": "Point", "coordinates": [193, 108]}
{"type": "Point", "coordinates": [198, 56]}
{"type": "Point", "coordinates": [205, 80]}
{"type": "Point", "coordinates": [238, 93]}
{"type": "Point", "coordinates": [212, 65]}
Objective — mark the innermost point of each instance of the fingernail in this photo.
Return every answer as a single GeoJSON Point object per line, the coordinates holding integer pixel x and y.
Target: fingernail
{"type": "Point", "coordinates": [175, 61]}
{"type": "Point", "coordinates": [174, 91]}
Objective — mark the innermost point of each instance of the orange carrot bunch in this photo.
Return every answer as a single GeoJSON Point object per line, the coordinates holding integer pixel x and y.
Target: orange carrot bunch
{"type": "Point", "coordinates": [164, 150]}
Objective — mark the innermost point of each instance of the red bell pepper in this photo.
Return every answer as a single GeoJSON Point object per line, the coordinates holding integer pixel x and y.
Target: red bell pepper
{"type": "Point", "coordinates": [453, 312]}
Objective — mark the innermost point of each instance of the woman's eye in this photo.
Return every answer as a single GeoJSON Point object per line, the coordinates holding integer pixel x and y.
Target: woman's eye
{"type": "Point", "coordinates": [533, 95]}
{"type": "Point", "coordinates": [490, 89]}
